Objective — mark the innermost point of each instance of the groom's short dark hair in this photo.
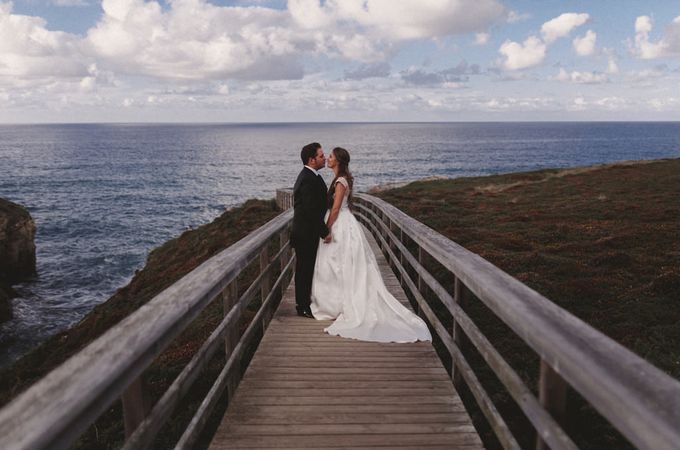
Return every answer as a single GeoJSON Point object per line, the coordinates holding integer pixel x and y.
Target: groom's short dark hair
{"type": "Point", "coordinates": [309, 151]}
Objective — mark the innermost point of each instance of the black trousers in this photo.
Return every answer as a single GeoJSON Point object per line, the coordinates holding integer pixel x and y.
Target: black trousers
{"type": "Point", "coordinates": [305, 257]}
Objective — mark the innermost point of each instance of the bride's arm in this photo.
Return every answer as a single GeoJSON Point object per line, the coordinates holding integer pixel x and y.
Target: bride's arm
{"type": "Point", "coordinates": [335, 209]}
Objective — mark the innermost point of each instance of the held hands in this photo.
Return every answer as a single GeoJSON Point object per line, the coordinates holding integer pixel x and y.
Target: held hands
{"type": "Point", "coordinates": [328, 239]}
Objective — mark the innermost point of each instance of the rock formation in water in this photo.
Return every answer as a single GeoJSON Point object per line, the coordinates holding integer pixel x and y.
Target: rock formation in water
{"type": "Point", "coordinates": [17, 251]}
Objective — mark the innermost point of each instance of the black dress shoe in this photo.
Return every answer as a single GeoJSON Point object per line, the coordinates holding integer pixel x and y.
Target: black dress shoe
{"type": "Point", "coordinates": [304, 312]}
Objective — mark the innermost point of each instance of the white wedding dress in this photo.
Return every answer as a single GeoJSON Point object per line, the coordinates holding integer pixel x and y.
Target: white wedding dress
{"type": "Point", "coordinates": [347, 286]}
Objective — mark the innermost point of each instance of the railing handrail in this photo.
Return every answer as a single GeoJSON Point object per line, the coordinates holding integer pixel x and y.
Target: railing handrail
{"type": "Point", "coordinates": [54, 411]}
{"type": "Point", "coordinates": [640, 400]}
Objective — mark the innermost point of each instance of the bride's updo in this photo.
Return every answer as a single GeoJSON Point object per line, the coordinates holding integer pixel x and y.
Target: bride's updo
{"type": "Point", "coordinates": [342, 158]}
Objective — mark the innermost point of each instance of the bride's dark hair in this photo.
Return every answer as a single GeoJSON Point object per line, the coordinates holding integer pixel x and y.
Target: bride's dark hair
{"type": "Point", "coordinates": [342, 157]}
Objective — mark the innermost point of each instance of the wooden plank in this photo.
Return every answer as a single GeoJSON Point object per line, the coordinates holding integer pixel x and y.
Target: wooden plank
{"type": "Point", "coordinates": [640, 400]}
{"type": "Point", "coordinates": [347, 393]}
{"type": "Point", "coordinates": [459, 440]}
{"type": "Point", "coordinates": [347, 429]}
{"type": "Point", "coordinates": [324, 417]}
{"type": "Point", "coordinates": [243, 411]}
{"type": "Point", "coordinates": [54, 411]}
{"type": "Point", "coordinates": [348, 400]}
{"type": "Point", "coordinates": [260, 383]}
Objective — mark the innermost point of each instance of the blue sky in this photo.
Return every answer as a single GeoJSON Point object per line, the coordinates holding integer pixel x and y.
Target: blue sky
{"type": "Point", "coordinates": [338, 60]}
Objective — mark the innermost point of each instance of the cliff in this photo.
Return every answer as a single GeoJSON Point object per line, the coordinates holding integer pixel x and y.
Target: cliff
{"type": "Point", "coordinates": [165, 265]}
{"type": "Point", "coordinates": [600, 242]}
{"type": "Point", "coordinates": [17, 251]}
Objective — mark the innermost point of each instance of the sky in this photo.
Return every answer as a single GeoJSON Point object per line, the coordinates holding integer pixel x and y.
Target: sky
{"type": "Point", "coordinates": [338, 60]}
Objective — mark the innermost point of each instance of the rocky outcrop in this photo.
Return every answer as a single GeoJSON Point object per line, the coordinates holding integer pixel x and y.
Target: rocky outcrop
{"type": "Point", "coordinates": [17, 251]}
{"type": "Point", "coordinates": [6, 294]}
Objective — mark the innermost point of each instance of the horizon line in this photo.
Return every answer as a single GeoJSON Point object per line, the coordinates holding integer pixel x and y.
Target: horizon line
{"type": "Point", "coordinates": [332, 122]}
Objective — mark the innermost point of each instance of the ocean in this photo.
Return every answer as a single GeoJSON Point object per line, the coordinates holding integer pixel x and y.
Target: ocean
{"type": "Point", "coordinates": [104, 195]}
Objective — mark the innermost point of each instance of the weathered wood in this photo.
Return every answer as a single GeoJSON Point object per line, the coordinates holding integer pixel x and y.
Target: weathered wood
{"type": "Point", "coordinates": [242, 412]}
{"type": "Point", "coordinates": [144, 435]}
{"type": "Point", "coordinates": [59, 407]}
{"type": "Point", "coordinates": [552, 393]}
{"type": "Point", "coordinates": [134, 406]}
{"type": "Point", "coordinates": [544, 423]}
{"type": "Point", "coordinates": [458, 440]}
{"type": "Point", "coordinates": [265, 286]}
{"type": "Point", "coordinates": [641, 401]}
{"type": "Point", "coordinates": [341, 387]}
{"type": "Point", "coordinates": [456, 333]}
{"type": "Point", "coordinates": [193, 430]}
{"type": "Point", "coordinates": [495, 419]}
{"type": "Point", "coordinates": [230, 298]}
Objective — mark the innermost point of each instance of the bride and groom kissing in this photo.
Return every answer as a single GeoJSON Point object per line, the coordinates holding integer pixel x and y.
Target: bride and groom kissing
{"type": "Point", "coordinates": [336, 274]}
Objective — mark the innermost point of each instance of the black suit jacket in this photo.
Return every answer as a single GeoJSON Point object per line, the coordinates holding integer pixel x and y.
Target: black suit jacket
{"type": "Point", "coordinates": [310, 206]}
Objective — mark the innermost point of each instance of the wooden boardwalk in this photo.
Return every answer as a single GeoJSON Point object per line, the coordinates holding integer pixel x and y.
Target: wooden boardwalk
{"type": "Point", "coordinates": [306, 389]}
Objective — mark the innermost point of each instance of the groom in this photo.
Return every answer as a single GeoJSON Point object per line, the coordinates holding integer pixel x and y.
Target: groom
{"type": "Point", "coordinates": [309, 201]}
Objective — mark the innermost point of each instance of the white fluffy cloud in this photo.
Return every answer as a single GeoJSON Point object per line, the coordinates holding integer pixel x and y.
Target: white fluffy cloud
{"type": "Point", "coordinates": [581, 77]}
{"type": "Point", "coordinates": [667, 46]}
{"type": "Point", "coordinates": [520, 56]}
{"type": "Point", "coordinates": [197, 40]}
{"type": "Point", "coordinates": [29, 50]}
{"type": "Point", "coordinates": [585, 45]}
{"type": "Point", "coordinates": [532, 51]}
{"type": "Point", "coordinates": [562, 25]}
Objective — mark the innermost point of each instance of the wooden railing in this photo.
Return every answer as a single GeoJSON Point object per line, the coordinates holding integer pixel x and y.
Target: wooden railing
{"type": "Point", "coordinates": [56, 410]}
{"type": "Point", "coordinates": [638, 399]}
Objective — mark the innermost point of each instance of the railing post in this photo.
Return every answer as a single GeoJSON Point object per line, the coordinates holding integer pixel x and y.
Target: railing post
{"type": "Point", "coordinates": [402, 258]}
{"type": "Point", "coordinates": [393, 247]}
{"type": "Point", "coordinates": [135, 406]}
{"type": "Point", "coordinates": [421, 283]}
{"type": "Point", "coordinates": [229, 299]}
{"type": "Point", "coordinates": [457, 334]}
{"type": "Point", "coordinates": [265, 286]}
{"type": "Point", "coordinates": [552, 393]}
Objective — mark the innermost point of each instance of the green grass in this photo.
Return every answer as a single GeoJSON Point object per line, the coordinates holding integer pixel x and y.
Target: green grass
{"type": "Point", "coordinates": [600, 242]}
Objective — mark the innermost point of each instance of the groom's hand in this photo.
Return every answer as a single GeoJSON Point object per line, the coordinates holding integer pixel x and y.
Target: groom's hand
{"type": "Point", "coordinates": [328, 239]}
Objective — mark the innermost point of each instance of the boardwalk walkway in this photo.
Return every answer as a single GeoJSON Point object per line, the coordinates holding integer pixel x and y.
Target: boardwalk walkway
{"type": "Point", "coordinates": [306, 389]}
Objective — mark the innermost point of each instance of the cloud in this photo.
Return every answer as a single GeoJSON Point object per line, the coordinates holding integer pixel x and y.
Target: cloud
{"type": "Point", "coordinates": [514, 17]}
{"type": "Point", "coordinates": [452, 77]}
{"type": "Point", "coordinates": [193, 39]}
{"type": "Point", "coordinates": [520, 56]}
{"type": "Point", "coordinates": [69, 2]}
{"type": "Point", "coordinates": [585, 45]}
{"type": "Point", "coordinates": [28, 50]}
{"type": "Point", "coordinates": [581, 77]}
{"type": "Point", "coordinates": [562, 25]}
{"type": "Point", "coordinates": [413, 19]}
{"type": "Point", "coordinates": [376, 70]}
{"type": "Point", "coordinates": [481, 38]}
{"type": "Point", "coordinates": [648, 77]}
{"type": "Point", "coordinates": [609, 104]}
{"type": "Point", "coordinates": [667, 46]}
{"type": "Point", "coordinates": [532, 51]}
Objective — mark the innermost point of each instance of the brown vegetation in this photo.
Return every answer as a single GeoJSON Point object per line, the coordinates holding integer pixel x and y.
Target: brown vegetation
{"type": "Point", "coordinates": [601, 242]}
{"type": "Point", "coordinates": [164, 266]}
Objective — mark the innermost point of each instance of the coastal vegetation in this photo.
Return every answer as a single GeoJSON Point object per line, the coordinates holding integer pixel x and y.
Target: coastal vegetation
{"type": "Point", "coordinates": [601, 242]}
{"type": "Point", "coordinates": [598, 241]}
{"type": "Point", "coordinates": [165, 265]}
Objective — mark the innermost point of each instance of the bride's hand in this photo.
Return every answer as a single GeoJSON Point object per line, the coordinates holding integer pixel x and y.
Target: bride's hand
{"type": "Point", "coordinates": [328, 239]}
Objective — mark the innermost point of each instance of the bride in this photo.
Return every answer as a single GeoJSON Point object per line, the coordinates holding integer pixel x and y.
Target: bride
{"type": "Point", "coordinates": [347, 285]}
